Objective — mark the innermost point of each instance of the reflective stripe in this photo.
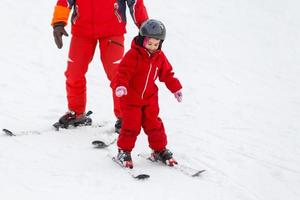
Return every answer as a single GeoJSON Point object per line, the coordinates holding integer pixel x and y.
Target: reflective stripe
{"type": "Point", "coordinates": [116, 8]}
{"type": "Point", "coordinates": [133, 14]}
{"type": "Point", "coordinates": [70, 60]}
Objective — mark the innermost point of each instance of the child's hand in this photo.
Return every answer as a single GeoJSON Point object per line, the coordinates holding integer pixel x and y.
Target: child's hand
{"type": "Point", "coordinates": [178, 95]}
{"type": "Point", "coordinates": [120, 91]}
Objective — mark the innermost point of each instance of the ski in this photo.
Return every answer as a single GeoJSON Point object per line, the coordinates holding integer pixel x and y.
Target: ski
{"type": "Point", "coordinates": [132, 172]}
{"type": "Point", "coordinates": [184, 169]}
{"type": "Point", "coordinates": [13, 133]}
{"type": "Point", "coordinates": [10, 132]}
{"type": "Point", "coordinates": [101, 145]}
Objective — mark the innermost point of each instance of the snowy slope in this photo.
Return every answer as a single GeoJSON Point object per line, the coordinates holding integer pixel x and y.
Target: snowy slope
{"type": "Point", "coordinates": [239, 64]}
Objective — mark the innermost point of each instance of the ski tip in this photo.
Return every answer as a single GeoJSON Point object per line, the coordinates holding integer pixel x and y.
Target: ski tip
{"type": "Point", "coordinates": [142, 176]}
{"type": "Point", "coordinates": [99, 144]}
{"type": "Point", "coordinates": [8, 132]}
{"type": "Point", "coordinates": [89, 113]}
{"type": "Point", "coordinates": [198, 173]}
{"type": "Point", "coordinates": [56, 126]}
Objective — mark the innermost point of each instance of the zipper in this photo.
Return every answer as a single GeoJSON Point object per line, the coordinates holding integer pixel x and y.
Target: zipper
{"type": "Point", "coordinates": [147, 80]}
{"type": "Point", "coordinates": [155, 73]}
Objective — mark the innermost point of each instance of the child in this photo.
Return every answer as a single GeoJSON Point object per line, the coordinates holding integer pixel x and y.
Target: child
{"type": "Point", "coordinates": [135, 86]}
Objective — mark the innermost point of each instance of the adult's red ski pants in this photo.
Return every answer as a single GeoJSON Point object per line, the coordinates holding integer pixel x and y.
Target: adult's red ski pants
{"type": "Point", "coordinates": [81, 53]}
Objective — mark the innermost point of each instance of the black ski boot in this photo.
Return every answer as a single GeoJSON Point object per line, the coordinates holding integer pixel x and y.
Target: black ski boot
{"type": "Point", "coordinates": [165, 156]}
{"type": "Point", "coordinates": [124, 158]}
{"type": "Point", "coordinates": [72, 119]}
{"type": "Point", "coordinates": [118, 125]}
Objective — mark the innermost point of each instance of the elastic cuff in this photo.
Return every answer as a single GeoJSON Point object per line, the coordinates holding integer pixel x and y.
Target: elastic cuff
{"type": "Point", "coordinates": [59, 24]}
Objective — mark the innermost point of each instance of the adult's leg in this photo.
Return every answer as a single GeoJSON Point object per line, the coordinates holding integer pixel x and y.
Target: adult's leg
{"type": "Point", "coordinates": [112, 50]}
{"type": "Point", "coordinates": [80, 55]}
{"type": "Point", "coordinates": [153, 126]}
{"type": "Point", "coordinates": [131, 126]}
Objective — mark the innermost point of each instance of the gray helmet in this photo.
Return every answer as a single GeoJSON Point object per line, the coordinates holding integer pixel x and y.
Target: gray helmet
{"type": "Point", "coordinates": [154, 29]}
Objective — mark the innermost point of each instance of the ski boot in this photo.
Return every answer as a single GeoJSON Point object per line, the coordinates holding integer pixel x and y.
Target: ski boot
{"type": "Point", "coordinates": [72, 119]}
{"type": "Point", "coordinates": [124, 158]}
{"type": "Point", "coordinates": [165, 156]}
{"type": "Point", "coordinates": [118, 125]}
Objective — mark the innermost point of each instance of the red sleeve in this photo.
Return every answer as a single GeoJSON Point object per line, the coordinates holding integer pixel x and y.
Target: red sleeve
{"type": "Point", "coordinates": [138, 11]}
{"type": "Point", "coordinates": [166, 75]}
{"type": "Point", "coordinates": [126, 70]}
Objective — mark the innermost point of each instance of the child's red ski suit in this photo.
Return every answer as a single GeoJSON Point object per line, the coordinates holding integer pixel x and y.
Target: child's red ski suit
{"type": "Point", "coordinates": [137, 72]}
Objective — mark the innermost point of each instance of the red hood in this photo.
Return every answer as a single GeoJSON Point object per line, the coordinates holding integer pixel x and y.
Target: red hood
{"type": "Point", "coordinates": [135, 45]}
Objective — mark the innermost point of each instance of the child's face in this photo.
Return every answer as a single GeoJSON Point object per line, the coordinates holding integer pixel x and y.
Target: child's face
{"type": "Point", "coordinates": [151, 44]}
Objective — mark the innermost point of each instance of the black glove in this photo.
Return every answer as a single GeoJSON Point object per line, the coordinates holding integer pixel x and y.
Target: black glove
{"type": "Point", "coordinates": [58, 32]}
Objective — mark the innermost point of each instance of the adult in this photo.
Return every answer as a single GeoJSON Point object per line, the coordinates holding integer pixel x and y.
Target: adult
{"type": "Point", "coordinates": [93, 22]}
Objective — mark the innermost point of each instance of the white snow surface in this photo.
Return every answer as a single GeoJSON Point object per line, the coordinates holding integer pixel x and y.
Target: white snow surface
{"type": "Point", "coordinates": [239, 65]}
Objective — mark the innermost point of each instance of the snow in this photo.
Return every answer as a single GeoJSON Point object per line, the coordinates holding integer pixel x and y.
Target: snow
{"type": "Point", "coordinates": [239, 65]}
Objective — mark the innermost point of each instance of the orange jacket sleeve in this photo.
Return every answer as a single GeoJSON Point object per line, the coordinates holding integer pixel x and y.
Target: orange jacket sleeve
{"type": "Point", "coordinates": [61, 14]}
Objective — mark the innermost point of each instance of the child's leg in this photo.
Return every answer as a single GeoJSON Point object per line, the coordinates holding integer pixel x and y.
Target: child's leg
{"type": "Point", "coordinates": [112, 50]}
{"type": "Point", "coordinates": [80, 55]}
{"type": "Point", "coordinates": [131, 126]}
{"type": "Point", "coordinates": [153, 126]}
